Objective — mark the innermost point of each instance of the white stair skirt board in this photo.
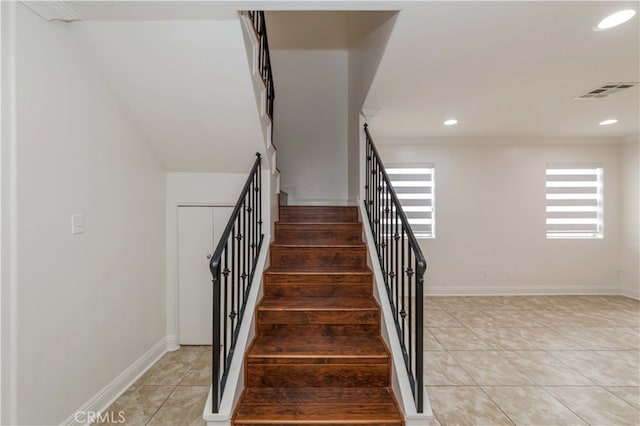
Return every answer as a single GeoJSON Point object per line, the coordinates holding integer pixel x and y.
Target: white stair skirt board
{"type": "Point", "coordinates": [235, 378]}
{"type": "Point", "coordinates": [401, 386]}
{"type": "Point", "coordinates": [107, 395]}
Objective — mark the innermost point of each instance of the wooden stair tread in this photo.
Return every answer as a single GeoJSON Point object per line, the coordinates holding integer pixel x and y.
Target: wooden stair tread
{"type": "Point", "coordinates": [339, 347]}
{"type": "Point", "coordinates": [313, 272]}
{"type": "Point", "coordinates": [369, 406]}
{"type": "Point", "coordinates": [318, 303]}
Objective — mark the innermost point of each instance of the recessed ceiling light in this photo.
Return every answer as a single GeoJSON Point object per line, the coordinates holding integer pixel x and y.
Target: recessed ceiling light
{"type": "Point", "coordinates": [608, 122]}
{"type": "Point", "coordinates": [615, 19]}
{"type": "Point", "coordinates": [450, 122]}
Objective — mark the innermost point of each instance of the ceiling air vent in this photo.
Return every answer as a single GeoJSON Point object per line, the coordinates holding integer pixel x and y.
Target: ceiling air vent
{"type": "Point", "coordinates": [605, 90]}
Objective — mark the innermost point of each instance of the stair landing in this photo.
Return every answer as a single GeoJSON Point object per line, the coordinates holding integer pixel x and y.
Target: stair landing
{"type": "Point", "coordinates": [318, 357]}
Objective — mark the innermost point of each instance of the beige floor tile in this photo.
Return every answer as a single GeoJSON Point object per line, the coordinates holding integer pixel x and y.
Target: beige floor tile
{"type": "Point", "coordinates": [165, 372]}
{"type": "Point", "coordinates": [630, 394]}
{"type": "Point", "coordinates": [203, 362]}
{"type": "Point", "coordinates": [197, 378]}
{"type": "Point", "coordinates": [531, 405]}
{"type": "Point", "coordinates": [465, 405]}
{"type": "Point", "coordinates": [544, 369]}
{"type": "Point", "coordinates": [595, 405]}
{"type": "Point", "coordinates": [491, 369]}
{"type": "Point", "coordinates": [629, 359]}
{"type": "Point", "coordinates": [434, 421]}
{"type": "Point", "coordinates": [431, 303]}
{"type": "Point", "coordinates": [440, 368]}
{"type": "Point", "coordinates": [503, 338]}
{"type": "Point", "coordinates": [452, 303]}
{"type": "Point", "coordinates": [489, 303]}
{"type": "Point", "coordinates": [548, 339]}
{"type": "Point", "coordinates": [604, 368]}
{"type": "Point", "coordinates": [440, 319]}
{"type": "Point", "coordinates": [430, 342]}
{"type": "Point", "coordinates": [458, 338]}
{"type": "Point", "coordinates": [187, 354]}
{"type": "Point", "coordinates": [516, 303]}
{"type": "Point", "coordinates": [183, 407]}
{"type": "Point", "coordinates": [603, 338]}
{"type": "Point", "coordinates": [137, 405]}
{"type": "Point", "coordinates": [474, 318]}
{"type": "Point", "coordinates": [521, 319]}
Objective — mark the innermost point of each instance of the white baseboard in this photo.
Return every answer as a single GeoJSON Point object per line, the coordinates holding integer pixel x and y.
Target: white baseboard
{"type": "Point", "coordinates": [526, 290]}
{"type": "Point", "coordinates": [632, 293]}
{"type": "Point", "coordinates": [172, 343]}
{"type": "Point", "coordinates": [107, 395]}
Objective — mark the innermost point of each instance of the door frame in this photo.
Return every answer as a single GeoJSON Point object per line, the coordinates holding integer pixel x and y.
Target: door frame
{"type": "Point", "coordinates": [173, 313]}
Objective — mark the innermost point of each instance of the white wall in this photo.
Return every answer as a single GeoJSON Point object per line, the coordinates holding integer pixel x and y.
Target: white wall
{"type": "Point", "coordinates": [310, 68]}
{"type": "Point", "coordinates": [490, 220]}
{"type": "Point", "coordinates": [88, 305]}
{"type": "Point", "coordinates": [187, 84]}
{"type": "Point", "coordinates": [630, 218]}
{"type": "Point", "coordinates": [368, 36]}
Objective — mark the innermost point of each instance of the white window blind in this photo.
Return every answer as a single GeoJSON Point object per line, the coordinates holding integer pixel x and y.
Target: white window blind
{"type": "Point", "coordinates": [574, 201]}
{"type": "Point", "coordinates": [414, 185]}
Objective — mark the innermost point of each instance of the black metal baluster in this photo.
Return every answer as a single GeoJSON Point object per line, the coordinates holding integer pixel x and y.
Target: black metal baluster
{"type": "Point", "coordinates": [236, 277]}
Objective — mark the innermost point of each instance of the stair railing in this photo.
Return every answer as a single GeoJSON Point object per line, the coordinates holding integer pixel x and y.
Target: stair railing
{"type": "Point", "coordinates": [233, 265]}
{"type": "Point", "coordinates": [264, 57]}
{"type": "Point", "coordinates": [402, 263]}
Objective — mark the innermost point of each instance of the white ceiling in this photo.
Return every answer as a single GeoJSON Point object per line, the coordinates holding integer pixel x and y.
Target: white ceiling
{"type": "Point", "coordinates": [506, 70]}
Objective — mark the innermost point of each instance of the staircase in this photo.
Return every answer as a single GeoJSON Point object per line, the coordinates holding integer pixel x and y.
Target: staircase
{"type": "Point", "coordinates": [318, 357]}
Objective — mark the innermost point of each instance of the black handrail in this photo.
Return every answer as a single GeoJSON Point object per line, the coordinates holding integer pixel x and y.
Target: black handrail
{"type": "Point", "coordinates": [402, 262]}
{"type": "Point", "coordinates": [264, 57]}
{"type": "Point", "coordinates": [233, 265]}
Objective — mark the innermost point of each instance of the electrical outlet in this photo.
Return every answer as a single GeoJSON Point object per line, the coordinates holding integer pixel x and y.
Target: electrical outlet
{"type": "Point", "coordinates": [77, 223]}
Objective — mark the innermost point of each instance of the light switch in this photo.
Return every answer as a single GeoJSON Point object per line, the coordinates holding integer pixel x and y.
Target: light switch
{"type": "Point", "coordinates": [77, 223]}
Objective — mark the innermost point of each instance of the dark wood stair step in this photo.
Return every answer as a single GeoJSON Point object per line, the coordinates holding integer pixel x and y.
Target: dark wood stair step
{"type": "Point", "coordinates": [307, 214]}
{"type": "Point", "coordinates": [317, 361]}
{"type": "Point", "coordinates": [317, 350]}
{"type": "Point", "coordinates": [318, 310]}
{"type": "Point", "coordinates": [317, 406]}
{"type": "Point", "coordinates": [318, 233]}
{"type": "Point", "coordinates": [280, 283]}
{"type": "Point", "coordinates": [320, 257]}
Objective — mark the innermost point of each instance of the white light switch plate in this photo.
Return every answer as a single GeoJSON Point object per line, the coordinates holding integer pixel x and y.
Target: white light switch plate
{"type": "Point", "coordinates": [77, 223]}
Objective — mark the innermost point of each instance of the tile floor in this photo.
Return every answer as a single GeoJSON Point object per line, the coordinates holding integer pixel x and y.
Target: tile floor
{"type": "Point", "coordinates": [172, 392]}
{"type": "Point", "coordinates": [534, 360]}
{"type": "Point", "coordinates": [524, 360]}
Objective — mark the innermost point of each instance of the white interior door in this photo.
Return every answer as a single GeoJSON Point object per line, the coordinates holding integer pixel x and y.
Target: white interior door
{"type": "Point", "coordinates": [199, 230]}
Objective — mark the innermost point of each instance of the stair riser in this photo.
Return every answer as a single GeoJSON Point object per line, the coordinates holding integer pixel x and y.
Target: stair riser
{"type": "Point", "coordinates": [289, 233]}
{"type": "Point", "coordinates": [319, 278]}
{"type": "Point", "coordinates": [265, 317]}
{"type": "Point", "coordinates": [299, 214]}
{"type": "Point", "coordinates": [318, 329]}
{"type": "Point", "coordinates": [318, 257]}
{"type": "Point", "coordinates": [329, 422]}
{"type": "Point", "coordinates": [314, 375]}
{"type": "Point", "coordinates": [317, 290]}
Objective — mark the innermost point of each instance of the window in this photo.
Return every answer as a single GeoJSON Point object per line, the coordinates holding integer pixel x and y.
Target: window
{"type": "Point", "coordinates": [574, 201]}
{"type": "Point", "coordinates": [414, 185]}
